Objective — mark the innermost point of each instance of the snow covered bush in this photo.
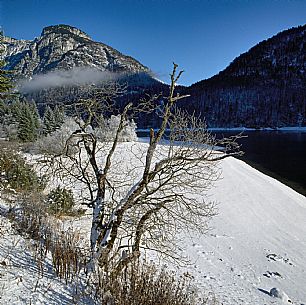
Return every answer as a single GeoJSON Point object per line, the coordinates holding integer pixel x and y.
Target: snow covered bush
{"type": "Point", "coordinates": [10, 131]}
{"type": "Point", "coordinates": [107, 130]}
{"type": "Point", "coordinates": [55, 142]}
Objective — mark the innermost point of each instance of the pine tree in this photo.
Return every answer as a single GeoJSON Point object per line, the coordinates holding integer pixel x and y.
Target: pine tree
{"type": "Point", "coordinates": [53, 119]}
{"type": "Point", "coordinates": [49, 124]}
{"type": "Point", "coordinates": [36, 116]}
{"type": "Point", "coordinates": [15, 109]}
{"type": "Point", "coordinates": [59, 116]}
{"type": "Point", "coordinates": [3, 110]}
{"type": "Point", "coordinates": [28, 123]}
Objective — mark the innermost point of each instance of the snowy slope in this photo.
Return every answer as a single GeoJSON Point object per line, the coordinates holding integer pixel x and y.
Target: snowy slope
{"type": "Point", "coordinates": [258, 239]}
{"type": "Point", "coordinates": [21, 281]}
{"type": "Point", "coordinates": [257, 242]}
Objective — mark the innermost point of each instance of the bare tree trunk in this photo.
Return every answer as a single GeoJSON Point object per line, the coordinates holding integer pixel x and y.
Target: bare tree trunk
{"type": "Point", "coordinates": [161, 197]}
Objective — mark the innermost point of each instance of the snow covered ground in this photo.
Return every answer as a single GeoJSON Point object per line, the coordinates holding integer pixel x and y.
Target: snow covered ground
{"type": "Point", "coordinates": [257, 242]}
{"type": "Point", "coordinates": [21, 281]}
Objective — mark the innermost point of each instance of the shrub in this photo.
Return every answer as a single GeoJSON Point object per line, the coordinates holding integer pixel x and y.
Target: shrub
{"type": "Point", "coordinates": [31, 219]}
{"type": "Point", "coordinates": [16, 174]}
{"type": "Point", "coordinates": [107, 130]}
{"type": "Point", "coordinates": [144, 284]}
{"type": "Point", "coordinates": [55, 142]}
{"type": "Point", "coordinates": [61, 201]}
{"type": "Point", "coordinates": [67, 257]}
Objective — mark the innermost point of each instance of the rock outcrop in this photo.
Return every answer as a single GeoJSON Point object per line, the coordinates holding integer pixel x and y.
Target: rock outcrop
{"type": "Point", "coordinates": [62, 47]}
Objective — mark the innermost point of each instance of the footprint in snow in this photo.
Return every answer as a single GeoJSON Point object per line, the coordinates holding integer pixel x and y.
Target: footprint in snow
{"type": "Point", "coordinates": [221, 236]}
{"type": "Point", "coordinates": [205, 254]}
{"type": "Point", "coordinates": [278, 258]}
{"type": "Point", "coordinates": [270, 274]}
{"type": "Point", "coordinates": [201, 253]}
{"type": "Point", "coordinates": [277, 293]}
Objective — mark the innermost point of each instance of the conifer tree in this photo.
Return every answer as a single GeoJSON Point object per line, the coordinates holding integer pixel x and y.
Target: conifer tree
{"type": "Point", "coordinates": [53, 119]}
{"type": "Point", "coordinates": [59, 116]}
{"type": "Point", "coordinates": [15, 109]}
{"type": "Point", "coordinates": [3, 110]}
{"type": "Point", "coordinates": [48, 121]}
{"type": "Point", "coordinates": [28, 122]}
{"type": "Point", "coordinates": [35, 113]}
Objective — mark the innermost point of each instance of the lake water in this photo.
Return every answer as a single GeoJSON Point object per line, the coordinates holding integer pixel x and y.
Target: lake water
{"type": "Point", "coordinates": [279, 154]}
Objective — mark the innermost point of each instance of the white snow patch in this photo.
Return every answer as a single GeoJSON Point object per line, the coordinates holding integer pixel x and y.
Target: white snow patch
{"type": "Point", "coordinates": [258, 241]}
{"type": "Point", "coordinates": [21, 281]}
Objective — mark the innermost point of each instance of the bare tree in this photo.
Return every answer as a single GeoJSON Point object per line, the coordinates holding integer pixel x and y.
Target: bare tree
{"type": "Point", "coordinates": [146, 201]}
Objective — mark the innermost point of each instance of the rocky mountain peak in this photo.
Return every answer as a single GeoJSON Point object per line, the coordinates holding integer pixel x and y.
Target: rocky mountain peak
{"type": "Point", "coordinates": [64, 47]}
{"type": "Point", "coordinates": [62, 29]}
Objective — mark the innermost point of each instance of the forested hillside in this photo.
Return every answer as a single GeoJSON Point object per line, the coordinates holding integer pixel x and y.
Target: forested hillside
{"type": "Point", "coordinates": [264, 87]}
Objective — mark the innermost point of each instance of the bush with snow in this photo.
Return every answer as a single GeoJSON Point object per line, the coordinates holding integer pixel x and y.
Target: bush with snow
{"type": "Point", "coordinates": [55, 142]}
{"type": "Point", "coordinates": [107, 130]}
{"type": "Point", "coordinates": [16, 174]}
{"type": "Point", "coordinates": [9, 131]}
{"type": "Point", "coordinates": [60, 201]}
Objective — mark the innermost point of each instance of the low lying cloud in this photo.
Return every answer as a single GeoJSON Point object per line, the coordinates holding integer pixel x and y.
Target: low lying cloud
{"type": "Point", "coordinates": [73, 77]}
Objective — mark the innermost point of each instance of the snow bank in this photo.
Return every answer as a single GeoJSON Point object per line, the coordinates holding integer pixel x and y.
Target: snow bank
{"type": "Point", "coordinates": [257, 242]}
{"type": "Point", "coordinates": [21, 281]}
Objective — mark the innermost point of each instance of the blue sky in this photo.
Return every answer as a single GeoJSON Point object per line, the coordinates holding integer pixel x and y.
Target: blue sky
{"type": "Point", "coordinates": [202, 36]}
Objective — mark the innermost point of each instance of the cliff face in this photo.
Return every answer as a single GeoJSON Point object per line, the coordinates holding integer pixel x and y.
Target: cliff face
{"type": "Point", "coordinates": [264, 87]}
{"type": "Point", "coordinates": [63, 47]}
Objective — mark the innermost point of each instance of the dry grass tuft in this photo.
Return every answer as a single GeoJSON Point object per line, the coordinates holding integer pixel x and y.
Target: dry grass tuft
{"type": "Point", "coordinates": [144, 284]}
{"type": "Point", "coordinates": [31, 218]}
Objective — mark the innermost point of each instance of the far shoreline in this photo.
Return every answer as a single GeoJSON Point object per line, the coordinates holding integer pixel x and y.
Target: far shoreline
{"type": "Point", "coordinates": [285, 129]}
{"type": "Point", "coordinates": [294, 185]}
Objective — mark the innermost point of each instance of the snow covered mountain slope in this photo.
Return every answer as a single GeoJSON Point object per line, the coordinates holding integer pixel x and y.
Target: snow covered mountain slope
{"type": "Point", "coordinates": [21, 281]}
{"type": "Point", "coordinates": [258, 240]}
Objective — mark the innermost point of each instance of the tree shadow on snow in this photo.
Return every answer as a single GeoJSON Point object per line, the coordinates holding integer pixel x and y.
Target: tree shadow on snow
{"type": "Point", "coordinates": [264, 291]}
